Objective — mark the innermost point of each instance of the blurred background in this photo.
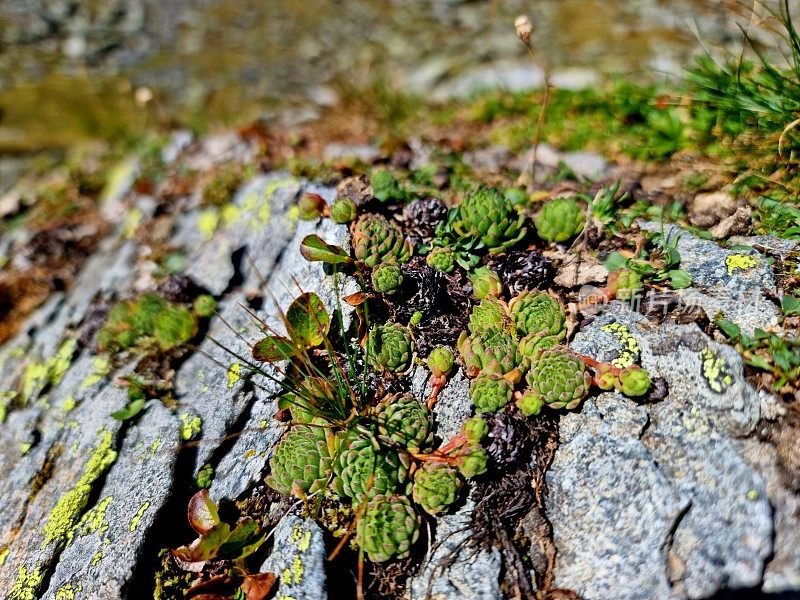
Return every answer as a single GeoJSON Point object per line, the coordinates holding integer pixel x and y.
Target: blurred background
{"type": "Point", "coordinates": [72, 70]}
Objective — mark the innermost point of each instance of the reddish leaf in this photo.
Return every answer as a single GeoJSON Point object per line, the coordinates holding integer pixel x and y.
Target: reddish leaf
{"type": "Point", "coordinates": [314, 248]}
{"type": "Point", "coordinates": [258, 585]}
{"type": "Point", "coordinates": [356, 299]}
{"type": "Point", "coordinates": [203, 516]}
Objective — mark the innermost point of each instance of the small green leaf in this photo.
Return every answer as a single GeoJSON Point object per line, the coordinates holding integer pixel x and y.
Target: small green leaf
{"type": "Point", "coordinates": [307, 320]}
{"type": "Point", "coordinates": [243, 541]}
{"type": "Point", "coordinates": [130, 411]}
{"type": "Point", "coordinates": [759, 362]}
{"type": "Point", "coordinates": [615, 261]}
{"type": "Point", "coordinates": [730, 329]}
{"type": "Point", "coordinates": [790, 305]}
{"type": "Point", "coordinates": [273, 348]}
{"type": "Point", "coordinates": [315, 249]}
{"type": "Point", "coordinates": [679, 279]}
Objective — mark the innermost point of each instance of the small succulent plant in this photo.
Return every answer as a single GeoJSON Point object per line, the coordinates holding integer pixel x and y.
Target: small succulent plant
{"type": "Point", "coordinates": [174, 325]}
{"type": "Point", "coordinates": [311, 206]}
{"type": "Point", "coordinates": [343, 211]}
{"type": "Point", "coordinates": [364, 469]}
{"type": "Point", "coordinates": [442, 259]}
{"type": "Point", "coordinates": [377, 240]}
{"type": "Point", "coordinates": [492, 218]}
{"type": "Point", "coordinates": [557, 379]}
{"type": "Point", "coordinates": [559, 220]}
{"type": "Point", "coordinates": [436, 487]}
{"type": "Point", "coordinates": [204, 305]}
{"type": "Point", "coordinates": [490, 393]}
{"type": "Point", "coordinates": [440, 361]}
{"type": "Point", "coordinates": [301, 463]}
{"type": "Point", "coordinates": [633, 381]}
{"type": "Point", "coordinates": [150, 317]}
{"type": "Point", "coordinates": [385, 187]}
{"type": "Point", "coordinates": [538, 320]}
{"type": "Point", "coordinates": [388, 528]}
{"type": "Point", "coordinates": [475, 429]}
{"type": "Point", "coordinates": [389, 347]}
{"type": "Point", "coordinates": [387, 278]}
{"type": "Point", "coordinates": [485, 283]}
{"type": "Point", "coordinates": [493, 352]}
{"type": "Point", "coordinates": [472, 461]}
{"type": "Point", "coordinates": [624, 284]}
{"type": "Point", "coordinates": [406, 421]}
{"type": "Point", "coordinates": [489, 313]}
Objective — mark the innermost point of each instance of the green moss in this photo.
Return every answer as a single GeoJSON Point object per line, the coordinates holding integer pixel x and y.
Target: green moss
{"type": "Point", "coordinates": [60, 524]}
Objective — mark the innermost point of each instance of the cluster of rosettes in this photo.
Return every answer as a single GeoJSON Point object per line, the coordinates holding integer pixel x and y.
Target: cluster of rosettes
{"type": "Point", "coordinates": [370, 465]}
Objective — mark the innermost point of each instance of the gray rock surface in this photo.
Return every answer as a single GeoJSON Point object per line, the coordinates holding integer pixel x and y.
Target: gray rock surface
{"type": "Point", "coordinates": [298, 559]}
{"type": "Point", "coordinates": [453, 567]}
{"type": "Point", "coordinates": [654, 483]}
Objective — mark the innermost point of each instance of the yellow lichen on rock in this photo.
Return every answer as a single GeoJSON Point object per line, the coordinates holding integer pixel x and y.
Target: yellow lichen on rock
{"type": "Point", "coordinates": [716, 370]}
{"type": "Point", "coordinates": [741, 262]}
{"type": "Point", "coordinates": [139, 514]}
{"type": "Point", "coordinates": [60, 524]}
{"type": "Point", "coordinates": [629, 353]}
{"type": "Point", "coordinates": [26, 587]}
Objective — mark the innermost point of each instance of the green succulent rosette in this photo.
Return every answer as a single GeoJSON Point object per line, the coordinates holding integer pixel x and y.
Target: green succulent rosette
{"type": "Point", "coordinates": [388, 528]}
{"type": "Point", "coordinates": [490, 217]}
{"type": "Point", "coordinates": [442, 259]}
{"type": "Point", "coordinates": [485, 282]}
{"type": "Point", "coordinates": [560, 220]}
{"type": "Point", "coordinates": [633, 381]}
{"type": "Point", "coordinates": [301, 462]}
{"type": "Point", "coordinates": [493, 352]}
{"type": "Point", "coordinates": [440, 361]}
{"type": "Point", "coordinates": [472, 461]}
{"type": "Point", "coordinates": [377, 240]}
{"type": "Point", "coordinates": [489, 313]}
{"type": "Point", "coordinates": [405, 421]}
{"type": "Point", "coordinates": [343, 211]}
{"type": "Point", "coordinates": [436, 487]}
{"type": "Point", "coordinates": [387, 278]}
{"type": "Point", "coordinates": [558, 379]}
{"type": "Point", "coordinates": [390, 348]}
{"type": "Point", "coordinates": [539, 313]}
{"type": "Point", "coordinates": [385, 187]}
{"type": "Point", "coordinates": [490, 393]}
{"type": "Point", "coordinates": [363, 468]}
{"type": "Point", "coordinates": [475, 429]}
